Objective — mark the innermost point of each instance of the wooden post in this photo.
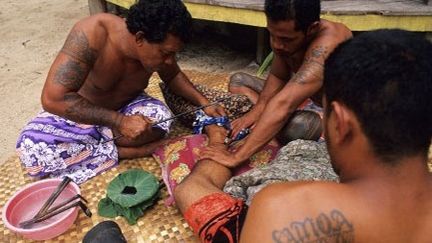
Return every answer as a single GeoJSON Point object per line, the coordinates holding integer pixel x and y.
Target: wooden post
{"type": "Point", "coordinates": [262, 45]}
{"type": "Point", "coordinates": [428, 36]}
{"type": "Point", "coordinates": [97, 6]}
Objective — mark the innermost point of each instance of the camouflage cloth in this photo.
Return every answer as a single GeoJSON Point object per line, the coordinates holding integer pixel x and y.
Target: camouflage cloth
{"type": "Point", "coordinates": [299, 160]}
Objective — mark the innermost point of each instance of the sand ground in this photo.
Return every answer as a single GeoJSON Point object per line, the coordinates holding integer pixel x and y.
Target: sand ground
{"type": "Point", "coordinates": [33, 31]}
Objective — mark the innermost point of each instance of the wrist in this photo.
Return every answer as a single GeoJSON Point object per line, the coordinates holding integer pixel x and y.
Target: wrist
{"type": "Point", "coordinates": [258, 109]}
{"type": "Point", "coordinates": [118, 120]}
{"type": "Point", "coordinates": [240, 156]}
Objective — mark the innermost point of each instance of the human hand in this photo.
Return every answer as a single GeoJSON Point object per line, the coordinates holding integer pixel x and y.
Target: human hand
{"type": "Point", "coordinates": [221, 156]}
{"type": "Point", "coordinates": [246, 121]}
{"type": "Point", "coordinates": [133, 126]}
{"type": "Point", "coordinates": [215, 111]}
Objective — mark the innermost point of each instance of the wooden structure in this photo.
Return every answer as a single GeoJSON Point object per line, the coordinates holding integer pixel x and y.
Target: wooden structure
{"type": "Point", "coordinates": [358, 15]}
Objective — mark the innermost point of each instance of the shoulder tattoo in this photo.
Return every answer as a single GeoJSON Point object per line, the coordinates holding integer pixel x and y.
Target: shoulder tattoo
{"type": "Point", "coordinates": [313, 65]}
{"type": "Point", "coordinates": [77, 46]}
{"type": "Point", "coordinates": [332, 227]}
{"type": "Point", "coordinates": [72, 72]}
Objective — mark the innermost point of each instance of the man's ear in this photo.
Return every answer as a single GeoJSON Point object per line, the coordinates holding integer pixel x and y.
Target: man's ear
{"type": "Point", "coordinates": [140, 38]}
{"type": "Point", "coordinates": [313, 28]}
{"type": "Point", "coordinates": [343, 122]}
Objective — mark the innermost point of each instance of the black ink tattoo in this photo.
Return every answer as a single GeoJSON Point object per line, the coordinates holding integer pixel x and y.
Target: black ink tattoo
{"type": "Point", "coordinates": [81, 110]}
{"type": "Point", "coordinates": [312, 66]}
{"type": "Point", "coordinates": [73, 72]}
{"type": "Point", "coordinates": [325, 228]}
{"type": "Point", "coordinates": [319, 51]}
{"type": "Point", "coordinates": [77, 46]}
{"type": "Point", "coordinates": [71, 75]}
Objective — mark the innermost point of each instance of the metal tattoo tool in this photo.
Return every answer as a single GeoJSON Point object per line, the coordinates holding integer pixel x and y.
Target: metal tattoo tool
{"type": "Point", "coordinates": [171, 118]}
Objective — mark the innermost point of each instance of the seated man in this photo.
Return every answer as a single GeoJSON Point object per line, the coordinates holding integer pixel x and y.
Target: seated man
{"type": "Point", "coordinates": [301, 42]}
{"type": "Point", "coordinates": [377, 120]}
{"type": "Point", "coordinates": [94, 91]}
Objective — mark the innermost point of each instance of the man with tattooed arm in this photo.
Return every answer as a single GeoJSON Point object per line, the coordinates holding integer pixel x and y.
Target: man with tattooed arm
{"type": "Point", "coordinates": [301, 42]}
{"type": "Point", "coordinates": [95, 91]}
{"type": "Point", "coordinates": [377, 123]}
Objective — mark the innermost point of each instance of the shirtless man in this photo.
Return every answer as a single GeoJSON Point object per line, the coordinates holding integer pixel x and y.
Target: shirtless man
{"type": "Point", "coordinates": [301, 42]}
{"type": "Point", "coordinates": [377, 120]}
{"type": "Point", "coordinates": [98, 79]}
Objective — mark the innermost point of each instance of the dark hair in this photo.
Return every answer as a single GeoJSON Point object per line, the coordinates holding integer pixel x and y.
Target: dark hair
{"type": "Point", "coordinates": [157, 18]}
{"type": "Point", "coordinates": [304, 12]}
{"type": "Point", "coordinates": [385, 78]}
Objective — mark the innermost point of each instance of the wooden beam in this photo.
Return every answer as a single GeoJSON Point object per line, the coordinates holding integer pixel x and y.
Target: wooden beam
{"type": "Point", "coordinates": [97, 6]}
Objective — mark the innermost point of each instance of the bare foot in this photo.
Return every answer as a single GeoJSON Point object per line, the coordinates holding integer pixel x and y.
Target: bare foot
{"type": "Point", "coordinates": [252, 95]}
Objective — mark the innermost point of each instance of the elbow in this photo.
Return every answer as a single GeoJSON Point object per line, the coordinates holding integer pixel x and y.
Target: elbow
{"type": "Point", "coordinates": [47, 103]}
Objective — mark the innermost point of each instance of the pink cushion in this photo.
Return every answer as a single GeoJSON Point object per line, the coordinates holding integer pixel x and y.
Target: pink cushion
{"type": "Point", "coordinates": [178, 157]}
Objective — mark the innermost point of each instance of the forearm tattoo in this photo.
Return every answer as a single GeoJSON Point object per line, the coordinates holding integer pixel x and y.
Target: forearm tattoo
{"type": "Point", "coordinates": [333, 227]}
{"type": "Point", "coordinates": [81, 110]}
{"type": "Point", "coordinates": [313, 65]}
{"type": "Point", "coordinates": [73, 72]}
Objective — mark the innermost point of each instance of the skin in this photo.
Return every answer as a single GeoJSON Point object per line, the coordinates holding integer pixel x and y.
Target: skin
{"type": "Point", "coordinates": [207, 176]}
{"type": "Point", "coordinates": [374, 202]}
{"type": "Point", "coordinates": [295, 52]}
{"type": "Point", "coordinates": [102, 67]}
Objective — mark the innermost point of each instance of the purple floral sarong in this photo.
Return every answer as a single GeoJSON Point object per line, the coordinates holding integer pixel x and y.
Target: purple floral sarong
{"type": "Point", "coordinates": [50, 145]}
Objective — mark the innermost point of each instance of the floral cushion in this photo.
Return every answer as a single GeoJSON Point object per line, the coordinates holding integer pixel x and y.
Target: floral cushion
{"type": "Point", "coordinates": [178, 157]}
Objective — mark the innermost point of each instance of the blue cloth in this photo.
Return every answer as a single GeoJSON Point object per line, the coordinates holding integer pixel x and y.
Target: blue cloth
{"type": "Point", "coordinates": [202, 120]}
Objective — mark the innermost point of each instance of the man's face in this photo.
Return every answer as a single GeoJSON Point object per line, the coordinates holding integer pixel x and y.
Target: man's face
{"type": "Point", "coordinates": [155, 55]}
{"type": "Point", "coordinates": [285, 40]}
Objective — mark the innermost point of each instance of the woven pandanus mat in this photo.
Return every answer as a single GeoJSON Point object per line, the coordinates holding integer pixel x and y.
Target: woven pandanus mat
{"type": "Point", "coordinates": [160, 223]}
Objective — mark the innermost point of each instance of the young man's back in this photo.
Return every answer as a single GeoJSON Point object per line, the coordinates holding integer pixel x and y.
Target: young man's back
{"type": "Point", "coordinates": [377, 125]}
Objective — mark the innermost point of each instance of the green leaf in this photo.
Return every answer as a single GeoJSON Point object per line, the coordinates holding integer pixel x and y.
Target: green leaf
{"type": "Point", "coordinates": [145, 184]}
{"type": "Point", "coordinates": [106, 208]}
{"type": "Point", "coordinates": [266, 63]}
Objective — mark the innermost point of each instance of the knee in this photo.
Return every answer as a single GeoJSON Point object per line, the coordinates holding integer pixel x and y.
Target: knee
{"type": "Point", "coordinates": [237, 79]}
{"type": "Point", "coordinates": [306, 125]}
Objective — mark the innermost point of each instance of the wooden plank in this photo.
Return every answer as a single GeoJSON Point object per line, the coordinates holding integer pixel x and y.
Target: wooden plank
{"type": "Point", "coordinates": [225, 14]}
{"type": "Point", "coordinates": [351, 7]}
{"type": "Point", "coordinates": [381, 7]}
{"type": "Point", "coordinates": [97, 6]}
{"type": "Point", "coordinates": [245, 4]}
{"type": "Point", "coordinates": [371, 22]}
{"type": "Point", "coordinates": [344, 7]}
{"type": "Point", "coordinates": [122, 3]}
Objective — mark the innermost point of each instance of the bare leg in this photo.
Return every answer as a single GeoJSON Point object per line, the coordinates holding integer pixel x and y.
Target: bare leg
{"type": "Point", "coordinates": [206, 178]}
{"type": "Point", "coordinates": [243, 83]}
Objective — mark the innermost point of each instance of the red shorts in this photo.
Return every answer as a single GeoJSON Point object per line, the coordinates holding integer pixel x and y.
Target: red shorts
{"type": "Point", "coordinates": [217, 217]}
